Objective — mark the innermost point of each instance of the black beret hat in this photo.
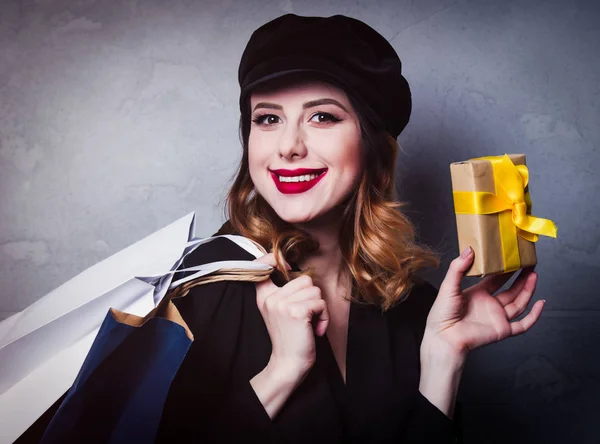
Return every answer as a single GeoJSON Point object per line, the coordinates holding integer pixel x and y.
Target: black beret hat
{"type": "Point", "coordinates": [338, 49]}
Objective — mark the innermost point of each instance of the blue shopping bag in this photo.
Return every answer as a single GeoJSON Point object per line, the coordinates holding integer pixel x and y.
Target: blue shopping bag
{"type": "Point", "coordinates": [119, 393]}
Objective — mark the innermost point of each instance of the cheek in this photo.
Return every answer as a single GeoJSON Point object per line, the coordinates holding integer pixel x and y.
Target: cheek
{"type": "Point", "coordinates": [349, 154]}
{"type": "Point", "coordinates": [355, 171]}
{"type": "Point", "coordinates": [255, 151]}
{"type": "Point", "coordinates": [261, 143]}
{"type": "Point", "coordinates": [258, 158]}
{"type": "Point", "coordinates": [355, 154]}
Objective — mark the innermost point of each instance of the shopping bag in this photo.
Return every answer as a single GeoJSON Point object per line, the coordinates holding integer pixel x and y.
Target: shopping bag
{"type": "Point", "coordinates": [43, 347]}
{"type": "Point", "coordinates": [119, 394]}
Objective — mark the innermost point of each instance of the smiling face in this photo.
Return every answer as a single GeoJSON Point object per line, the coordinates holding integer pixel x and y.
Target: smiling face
{"type": "Point", "coordinates": [304, 149]}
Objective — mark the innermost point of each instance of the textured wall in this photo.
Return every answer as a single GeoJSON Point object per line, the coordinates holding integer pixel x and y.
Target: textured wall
{"type": "Point", "coordinates": [118, 117]}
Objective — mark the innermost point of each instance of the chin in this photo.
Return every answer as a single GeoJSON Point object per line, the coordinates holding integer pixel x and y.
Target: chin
{"type": "Point", "coordinates": [295, 218]}
{"type": "Point", "coordinates": [313, 218]}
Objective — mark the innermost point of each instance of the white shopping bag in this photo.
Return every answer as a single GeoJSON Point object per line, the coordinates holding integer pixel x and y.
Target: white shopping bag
{"type": "Point", "coordinates": [43, 347]}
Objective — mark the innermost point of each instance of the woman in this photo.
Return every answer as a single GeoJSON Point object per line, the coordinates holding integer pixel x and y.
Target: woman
{"type": "Point", "coordinates": [360, 350]}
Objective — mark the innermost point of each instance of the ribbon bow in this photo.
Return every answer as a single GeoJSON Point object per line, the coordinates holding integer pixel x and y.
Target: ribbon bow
{"type": "Point", "coordinates": [512, 204]}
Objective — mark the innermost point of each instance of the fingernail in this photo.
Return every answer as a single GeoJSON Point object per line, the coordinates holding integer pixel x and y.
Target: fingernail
{"type": "Point", "coordinates": [466, 252]}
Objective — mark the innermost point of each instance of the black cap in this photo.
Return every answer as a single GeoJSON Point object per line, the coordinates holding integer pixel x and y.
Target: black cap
{"type": "Point", "coordinates": [338, 49]}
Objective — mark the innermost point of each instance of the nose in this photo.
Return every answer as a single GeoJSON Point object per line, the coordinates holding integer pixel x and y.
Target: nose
{"type": "Point", "coordinates": [292, 142]}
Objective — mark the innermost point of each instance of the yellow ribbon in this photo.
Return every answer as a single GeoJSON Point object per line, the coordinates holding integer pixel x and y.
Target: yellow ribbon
{"type": "Point", "coordinates": [512, 204]}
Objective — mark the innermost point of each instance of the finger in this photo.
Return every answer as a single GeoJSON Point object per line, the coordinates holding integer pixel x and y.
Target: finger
{"type": "Point", "coordinates": [519, 327]}
{"type": "Point", "coordinates": [277, 302]}
{"type": "Point", "coordinates": [322, 322]}
{"type": "Point", "coordinates": [270, 295]}
{"type": "Point", "coordinates": [517, 307]}
{"type": "Point", "coordinates": [269, 259]}
{"type": "Point", "coordinates": [305, 294]}
{"type": "Point", "coordinates": [456, 271]}
{"type": "Point", "coordinates": [295, 285]}
{"type": "Point", "coordinates": [307, 310]}
{"type": "Point", "coordinates": [282, 297]}
{"type": "Point", "coordinates": [492, 284]}
{"type": "Point", "coordinates": [509, 295]}
{"type": "Point", "coordinates": [264, 290]}
{"type": "Point", "coordinates": [319, 315]}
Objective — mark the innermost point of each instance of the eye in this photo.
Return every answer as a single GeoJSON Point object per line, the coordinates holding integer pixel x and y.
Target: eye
{"type": "Point", "coordinates": [266, 119]}
{"type": "Point", "coordinates": [322, 117]}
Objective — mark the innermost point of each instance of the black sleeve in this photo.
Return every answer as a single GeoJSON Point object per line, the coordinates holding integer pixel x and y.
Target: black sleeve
{"type": "Point", "coordinates": [208, 401]}
{"type": "Point", "coordinates": [427, 423]}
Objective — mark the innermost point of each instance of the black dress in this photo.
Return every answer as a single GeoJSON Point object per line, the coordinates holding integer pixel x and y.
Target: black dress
{"type": "Point", "coordinates": [211, 399]}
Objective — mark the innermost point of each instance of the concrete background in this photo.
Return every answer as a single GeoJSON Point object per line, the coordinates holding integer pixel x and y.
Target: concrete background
{"type": "Point", "coordinates": [118, 117]}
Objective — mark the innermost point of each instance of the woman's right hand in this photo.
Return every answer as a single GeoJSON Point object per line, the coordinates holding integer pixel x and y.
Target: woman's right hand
{"type": "Point", "coordinates": [293, 314]}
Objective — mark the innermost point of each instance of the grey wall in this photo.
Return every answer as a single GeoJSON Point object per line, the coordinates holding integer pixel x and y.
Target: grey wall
{"type": "Point", "coordinates": [118, 117]}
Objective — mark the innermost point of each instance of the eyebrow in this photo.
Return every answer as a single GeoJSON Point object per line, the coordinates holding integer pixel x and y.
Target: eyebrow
{"type": "Point", "coordinates": [268, 105]}
{"type": "Point", "coordinates": [325, 101]}
{"type": "Point", "coordinates": [311, 104]}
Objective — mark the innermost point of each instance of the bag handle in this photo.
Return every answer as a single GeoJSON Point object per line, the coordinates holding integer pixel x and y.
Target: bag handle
{"type": "Point", "coordinates": [235, 270]}
{"type": "Point", "coordinates": [239, 270]}
{"type": "Point", "coordinates": [162, 282]}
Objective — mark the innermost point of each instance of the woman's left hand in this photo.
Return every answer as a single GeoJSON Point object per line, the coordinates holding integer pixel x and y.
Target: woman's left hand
{"type": "Point", "coordinates": [464, 320]}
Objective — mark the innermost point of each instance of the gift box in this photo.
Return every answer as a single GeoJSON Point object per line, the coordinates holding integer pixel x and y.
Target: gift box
{"type": "Point", "coordinates": [493, 213]}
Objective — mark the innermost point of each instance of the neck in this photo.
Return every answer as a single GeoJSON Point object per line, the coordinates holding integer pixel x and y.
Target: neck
{"type": "Point", "coordinates": [327, 262]}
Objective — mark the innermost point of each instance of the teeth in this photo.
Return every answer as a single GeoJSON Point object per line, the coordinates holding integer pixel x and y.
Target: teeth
{"type": "Point", "coordinates": [303, 178]}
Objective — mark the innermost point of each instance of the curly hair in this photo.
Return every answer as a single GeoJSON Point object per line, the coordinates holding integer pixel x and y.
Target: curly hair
{"type": "Point", "coordinates": [376, 239]}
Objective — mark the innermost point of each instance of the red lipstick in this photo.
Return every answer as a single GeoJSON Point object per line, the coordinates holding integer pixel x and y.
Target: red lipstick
{"type": "Point", "coordinates": [296, 187]}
